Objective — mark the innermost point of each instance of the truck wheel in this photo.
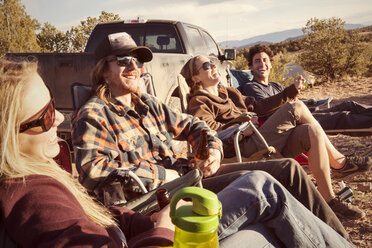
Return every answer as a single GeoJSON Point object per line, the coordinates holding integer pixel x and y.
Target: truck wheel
{"type": "Point", "coordinates": [178, 147]}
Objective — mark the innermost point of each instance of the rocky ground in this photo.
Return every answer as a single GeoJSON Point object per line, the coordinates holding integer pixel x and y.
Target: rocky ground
{"type": "Point", "coordinates": [359, 90]}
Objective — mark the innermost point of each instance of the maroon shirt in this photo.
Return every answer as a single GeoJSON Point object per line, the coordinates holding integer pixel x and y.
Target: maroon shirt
{"type": "Point", "coordinates": [43, 213]}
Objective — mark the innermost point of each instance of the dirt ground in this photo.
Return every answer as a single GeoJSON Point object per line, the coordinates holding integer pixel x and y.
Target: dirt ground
{"type": "Point", "coordinates": [359, 90]}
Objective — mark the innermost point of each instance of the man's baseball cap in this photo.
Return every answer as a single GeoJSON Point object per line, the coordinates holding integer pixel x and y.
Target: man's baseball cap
{"type": "Point", "coordinates": [122, 44]}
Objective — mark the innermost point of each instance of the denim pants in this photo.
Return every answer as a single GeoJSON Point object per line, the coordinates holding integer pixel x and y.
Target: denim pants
{"type": "Point", "coordinates": [259, 212]}
{"type": "Point", "coordinates": [290, 174]}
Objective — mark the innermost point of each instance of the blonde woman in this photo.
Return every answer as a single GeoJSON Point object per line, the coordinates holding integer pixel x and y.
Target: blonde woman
{"type": "Point", "coordinates": [291, 129]}
{"type": "Point", "coordinates": [41, 205]}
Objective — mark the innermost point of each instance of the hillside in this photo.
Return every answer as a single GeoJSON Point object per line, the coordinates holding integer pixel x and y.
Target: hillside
{"type": "Point", "coordinates": [273, 37]}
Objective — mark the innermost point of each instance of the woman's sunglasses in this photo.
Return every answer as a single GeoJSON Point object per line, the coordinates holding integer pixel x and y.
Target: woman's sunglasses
{"type": "Point", "coordinates": [207, 65]}
{"type": "Point", "coordinates": [125, 60]}
{"type": "Point", "coordinates": [44, 122]}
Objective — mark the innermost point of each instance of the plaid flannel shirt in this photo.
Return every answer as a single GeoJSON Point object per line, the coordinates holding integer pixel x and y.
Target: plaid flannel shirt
{"type": "Point", "coordinates": [108, 137]}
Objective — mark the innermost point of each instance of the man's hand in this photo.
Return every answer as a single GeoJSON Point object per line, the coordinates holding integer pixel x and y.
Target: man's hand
{"type": "Point", "coordinates": [162, 218]}
{"type": "Point", "coordinates": [170, 175]}
{"type": "Point", "coordinates": [299, 82]}
{"type": "Point", "coordinates": [210, 166]}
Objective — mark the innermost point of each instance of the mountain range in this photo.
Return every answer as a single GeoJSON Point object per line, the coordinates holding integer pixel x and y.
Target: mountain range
{"type": "Point", "coordinates": [272, 37]}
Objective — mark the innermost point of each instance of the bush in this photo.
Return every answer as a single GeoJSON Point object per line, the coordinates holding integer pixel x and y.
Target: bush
{"type": "Point", "coordinates": [279, 69]}
{"type": "Point", "coordinates": [330, 51]}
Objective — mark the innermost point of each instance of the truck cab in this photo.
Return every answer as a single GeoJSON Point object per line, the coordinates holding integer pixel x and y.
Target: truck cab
{"type": "Point", "coordinates": [173, 43]}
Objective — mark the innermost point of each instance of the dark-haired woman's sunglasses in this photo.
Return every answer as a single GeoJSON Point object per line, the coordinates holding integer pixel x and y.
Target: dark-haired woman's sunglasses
{"type": "Point", "coordinates": [207, 65]}
{"type": "Point", "coordinates": [125, 60]}
{"type": "Point", "coordinates": [44, 122]}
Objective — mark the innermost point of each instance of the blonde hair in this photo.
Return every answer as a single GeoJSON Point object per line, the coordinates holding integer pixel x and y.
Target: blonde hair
{"type": "Point", "coordinates": [100, 86]}
{"type": "Point", "coordinates": [15, 164]}
{"type": "Point", "coordinates": [188, 71]}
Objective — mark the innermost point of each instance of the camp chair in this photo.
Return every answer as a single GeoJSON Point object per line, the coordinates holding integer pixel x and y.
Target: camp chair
{"type": "Point", "coordinates": [234, 132]}
{"type": "Point", "coordinates": [63, 158]}
{"type": "Point", "coordinates": [239, 77]}
{"type": "Point", "coordinates": [80, 94]}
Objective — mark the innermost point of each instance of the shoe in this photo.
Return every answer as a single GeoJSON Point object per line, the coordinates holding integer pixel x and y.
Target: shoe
{"type": "Point", "coordinates": [345, 210]}
{"type": "Point", "coordinates": [354, 165]}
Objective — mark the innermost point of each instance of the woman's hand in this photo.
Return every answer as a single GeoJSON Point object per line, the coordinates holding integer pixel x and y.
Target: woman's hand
{"type": "Point", "coordinates": [211, 165]}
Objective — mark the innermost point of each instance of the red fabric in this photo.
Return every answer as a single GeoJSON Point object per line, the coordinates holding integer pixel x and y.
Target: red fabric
{"type": "Point", "coordinates": [301, 160]}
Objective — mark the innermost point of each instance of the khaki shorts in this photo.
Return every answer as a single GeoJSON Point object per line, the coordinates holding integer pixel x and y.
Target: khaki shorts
{"type": "Point", "coordinates": [281, 131]}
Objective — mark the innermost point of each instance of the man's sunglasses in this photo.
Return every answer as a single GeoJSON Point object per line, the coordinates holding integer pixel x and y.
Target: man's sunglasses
{"type": "Point", "coordinates": [125, 60]}
{"type": "Point", "coordinates": [207, 65]}
{"type": "Point", "coordinates": [44, 122]}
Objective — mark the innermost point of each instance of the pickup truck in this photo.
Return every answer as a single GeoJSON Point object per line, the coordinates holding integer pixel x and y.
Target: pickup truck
{"type": "Point", "coordinates": [172, 44]}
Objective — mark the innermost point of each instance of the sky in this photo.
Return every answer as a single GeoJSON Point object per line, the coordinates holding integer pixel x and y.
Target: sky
{"type": "Point", "coordinates": [224, 20]}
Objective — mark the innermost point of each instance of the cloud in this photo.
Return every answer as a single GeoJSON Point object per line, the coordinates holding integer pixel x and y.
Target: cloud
{"type": "Point", "coordinates": [214, 17]}
{"type": "Point", "coordinates": [189, 11]}
{"type": "Point", "coordinates": [223, 19]}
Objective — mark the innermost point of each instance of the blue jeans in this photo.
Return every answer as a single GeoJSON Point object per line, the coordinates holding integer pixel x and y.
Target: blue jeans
{"type": "Point", "coordinates": [259, 212]}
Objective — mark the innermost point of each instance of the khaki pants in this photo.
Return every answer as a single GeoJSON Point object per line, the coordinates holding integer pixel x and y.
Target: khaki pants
{"type": "Point", "coordinates": [281, 131]}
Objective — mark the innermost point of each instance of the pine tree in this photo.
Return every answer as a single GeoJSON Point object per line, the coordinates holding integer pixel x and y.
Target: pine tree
{"type": "Point", "coordinates": [17, 29]}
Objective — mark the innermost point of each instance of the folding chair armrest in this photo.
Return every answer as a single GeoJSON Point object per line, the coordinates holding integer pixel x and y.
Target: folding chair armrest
{"type": "Point", "coordinates": [228, 132]}
{"type": "Point", "coordinates": [235, 133]}
{"type": "Point", "coordinates": [138, 181]}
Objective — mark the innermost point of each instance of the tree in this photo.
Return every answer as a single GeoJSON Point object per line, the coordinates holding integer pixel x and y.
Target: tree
{"type": "Point", "coordinates": [329, 50]}
{"type": "Point", "coordinates": [79, 35]}
{"type": "Point", "coordinates": [279, 69]}
{"type": "Point", "coordinates": [52, 40]}
{"type": "Point", "coordinates": [241, 63]}
{"type": "Point", "coordinates": [17, 28]}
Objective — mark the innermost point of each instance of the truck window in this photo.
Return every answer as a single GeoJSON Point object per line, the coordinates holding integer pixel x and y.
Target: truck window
{"type": "Point", "coordinates": [211, 45]}
{"type": "Point", "coordinates": [159, 38]}
{"type": "Point", "coordinates": [196, 41]}
{"type": "Point", "coordinates": [162, 40]}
